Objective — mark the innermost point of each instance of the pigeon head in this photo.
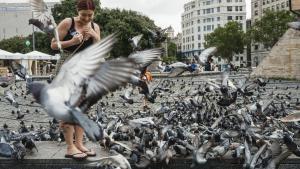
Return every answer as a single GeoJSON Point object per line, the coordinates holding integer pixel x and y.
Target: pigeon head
{"type": "Point", "coordinates": [36, 89]}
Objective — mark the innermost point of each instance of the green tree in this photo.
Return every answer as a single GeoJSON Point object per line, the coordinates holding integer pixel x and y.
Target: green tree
{"type": "Point", "coordinates": [270, 27]}
{"type": "Point", "coordinates": [128, 23]}
{"type": "Point", "coordinates": [228, 40]}
{"type": "Point", "coordinates": [172, 49]}
{"type": "Point", "coordinates": [42, 42]}
{"type": "Point", "coordinates": [16, 44]}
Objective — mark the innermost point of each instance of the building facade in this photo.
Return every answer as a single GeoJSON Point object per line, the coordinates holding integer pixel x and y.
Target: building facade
{"type": "Point", "coordinates": [202, 17]}
{"type": "Point", "coordinates": [14, 16]}
{"type": "Point", "coordinates": [258, 8]}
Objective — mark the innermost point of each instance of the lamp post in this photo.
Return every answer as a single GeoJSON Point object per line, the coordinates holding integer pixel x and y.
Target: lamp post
{"type": "Point", "coordinates": [33, 37]}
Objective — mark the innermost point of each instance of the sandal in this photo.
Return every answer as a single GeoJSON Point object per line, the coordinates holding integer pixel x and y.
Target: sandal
{"type": "Point", "coordinates": [73, 156]}
{"type": "Point", "coordinates": [90, 153]}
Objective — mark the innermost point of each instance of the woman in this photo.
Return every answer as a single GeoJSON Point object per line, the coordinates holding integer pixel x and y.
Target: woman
{"type": "Point", "coordinates": [76, 34]}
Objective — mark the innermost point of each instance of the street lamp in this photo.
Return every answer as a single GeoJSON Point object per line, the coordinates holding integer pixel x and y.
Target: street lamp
{"type": "Point", "coordinates": [295, 7]}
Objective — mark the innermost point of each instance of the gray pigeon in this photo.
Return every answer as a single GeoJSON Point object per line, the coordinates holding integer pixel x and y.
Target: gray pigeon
{"type": "Point", "coordinates": [81, 82]}
{"type": "Point", "coordinates": [43, 19]}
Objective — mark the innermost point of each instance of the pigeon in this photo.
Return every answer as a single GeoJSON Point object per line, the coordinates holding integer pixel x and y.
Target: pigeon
{"type": "Point", "coordinates": [43, 19]}
{"type": "Point", "coordinates": [10, 97]}
{"type": "Point", "coordinates": [117, 160]}
{"type": "Point", "coordinates": [82, 81]}
{"type": "Point", "coordinates": [19, 151]}
{"type": "Point", "coordinates": [134, 42]}
{"type": "Point", "coordinates": [18, 69]}
{"type": "Point", "coordinates": [28, 143]}
{"type": "Point", "coordinates": [127, 94]}
{"type": "Point", "coordinates": [205, 54]}
{"type": "Point", "coordinates": [6, 150]}
{"type": "Point", "coordinates": [158, 34]}
{"type": "Point", "coordinates": [178, 68]}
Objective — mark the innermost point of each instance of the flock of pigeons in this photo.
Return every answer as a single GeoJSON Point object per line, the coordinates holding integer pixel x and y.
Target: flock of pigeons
{"type": "Point", "coordinates": [209, 118]}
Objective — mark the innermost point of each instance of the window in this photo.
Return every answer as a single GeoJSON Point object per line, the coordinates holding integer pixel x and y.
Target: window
{"type": "Point", "coordinates": [199, 28]}
{"type": "Point", "coordinates": [229, 0]}
{"type": "Point", "coordinates": [199, 37]}
{"type": "Point", "coordinates": [241, 58]}
{"type": "Point", "coordinates": [256, 12]}
{"type": "Point", "coordinates": [241, 17]}
{"type": "Point", "coordinates": [229, 8]}
{"type": "Point", "coordinates": [192, 38]}
{"type": "Point", "coordinates": [241, 8]}
{"type": "Point", "coordinates": [199, 45]}
{"type": "Point", "coordinates": [229, 18]}
{"type": "Point", "coordinates": [198, 21]}
{"type": "Point", "coordinates": [255, 5]}
{"type": "Point", "coordinates": [208, 27]}
{"type": "Point", "coordinates": [204, 28]}
{"type": "Point", "coordinates": [218, 9]}
{"type": "Point", "coordinates": [183, 40]}
{"type": "Point", "coordinates": [256, 47]}
{"type": "Point", "coordinates": [198, 12]}
{"type": "Point", "coordinates": [236, 8]}
{"type": "Point", "coordinates": [264, 2]}
{"type": "Point", "coordinates": [220, 1]}
{"type": "Point", "coordinates": [204, 20]}
{"type": "Point", "coordinates": [218, 19]}
{"type": "Point", "coordinates": [236, 17]}
{"type": "Point", "coordinates": [282, 5]}
{"type": "Point", "coordinates": [219, 25]}
{"type": "Point", "coordinates": [237, 58]}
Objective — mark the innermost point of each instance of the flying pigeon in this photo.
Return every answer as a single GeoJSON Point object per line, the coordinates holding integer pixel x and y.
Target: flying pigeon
{"type": "Point", "coordinates": [81, 82]}
{"type": "Point", "coordinates": [43, 19]}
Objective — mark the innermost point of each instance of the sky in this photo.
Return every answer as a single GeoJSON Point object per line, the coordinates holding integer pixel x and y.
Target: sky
{"type": "Point", "coordinates": [163, 12]}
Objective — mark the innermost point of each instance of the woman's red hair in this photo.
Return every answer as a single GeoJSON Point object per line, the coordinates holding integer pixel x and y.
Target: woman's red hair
{"type": "Point", "coordinates": [85, 5]}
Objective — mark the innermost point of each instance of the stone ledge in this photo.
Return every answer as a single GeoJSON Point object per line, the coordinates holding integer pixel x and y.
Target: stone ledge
{"type": "Point", "coordinates": [51, 156]}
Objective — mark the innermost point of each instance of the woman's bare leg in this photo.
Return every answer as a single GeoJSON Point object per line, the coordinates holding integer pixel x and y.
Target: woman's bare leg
{"type": "Point", "coordinates": [79, 140]}
{"type": "Point", "coordinates": [68, 130]}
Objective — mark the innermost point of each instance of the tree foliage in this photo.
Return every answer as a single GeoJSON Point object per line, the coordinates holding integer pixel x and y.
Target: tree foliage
{"type": "Point", "coordinates": [129, 24]}
{"type": "Point", "coordinates": [270, 27]}
{"type": "Point", "coordinates": [228, 40]}
{"type": "Point", "coordinates": [16, 44]}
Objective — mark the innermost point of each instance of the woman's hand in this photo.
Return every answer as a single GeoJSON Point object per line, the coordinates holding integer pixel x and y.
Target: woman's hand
{"type": "Point", "coordinates": [89, 32]}
{"type": "Point", "coordinates": [77, 39]}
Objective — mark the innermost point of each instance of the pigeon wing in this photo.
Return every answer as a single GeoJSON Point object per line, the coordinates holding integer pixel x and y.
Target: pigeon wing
{"type": "Point", "coordinates": [146, 57]}
{"type": "Point", "coordinates": [111, 75]}
{"type": "Point", "coordinates": [84, 64]}
{"type": "Point", "coordinates": [38, 7]}
{"type": "Point", "coordinates": [137, 39]}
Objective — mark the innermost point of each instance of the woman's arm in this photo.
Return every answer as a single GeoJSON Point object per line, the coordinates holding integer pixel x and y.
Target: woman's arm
{"type": "Point", "coordinates": [62, 30]}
